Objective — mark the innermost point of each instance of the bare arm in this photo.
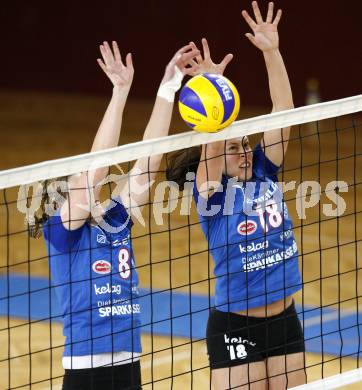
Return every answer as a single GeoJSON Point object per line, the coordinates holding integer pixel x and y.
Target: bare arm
{"type": "Point", "coordinates": [266, 39]}
{"type": "Point", "coordinates": [135, 193]}
{"type": "Point", "coordinates": [83, 189]}
{"type": "Point", "coordinates": [212, 159]}
{"type": "Point", "coordinates": [210, 169]}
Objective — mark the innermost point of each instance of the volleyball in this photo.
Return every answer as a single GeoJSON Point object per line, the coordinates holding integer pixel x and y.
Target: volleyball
{"type": "Point", "coordinates": [209, 102]}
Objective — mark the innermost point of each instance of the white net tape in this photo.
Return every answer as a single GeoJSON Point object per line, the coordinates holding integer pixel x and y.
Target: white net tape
{"type": "Point", "coordinates": [71, 165]}
{"type": "Point", "coordinates": [334, 382]}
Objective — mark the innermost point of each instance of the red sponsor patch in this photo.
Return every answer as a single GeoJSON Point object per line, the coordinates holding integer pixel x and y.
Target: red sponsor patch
{"type": "Point", "coordinates": [102, 267]}
{"type": "Point", "coordinates": [247, 227]}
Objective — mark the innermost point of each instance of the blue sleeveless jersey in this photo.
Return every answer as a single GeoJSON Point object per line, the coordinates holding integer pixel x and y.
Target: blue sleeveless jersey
{"type": "Point", "coordinates": [94, 276]}
{"type": "Point", "coordinates": [250, 236]}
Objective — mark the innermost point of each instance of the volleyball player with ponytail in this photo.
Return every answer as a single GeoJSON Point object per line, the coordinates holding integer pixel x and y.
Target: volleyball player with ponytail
{"type": "Point", "coordinates": [91, 259]}
{"type": "Point", "coordinates": [254, 337]}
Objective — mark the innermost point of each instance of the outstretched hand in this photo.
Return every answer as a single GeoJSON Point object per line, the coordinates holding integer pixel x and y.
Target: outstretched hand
{"type": "Point", "coordinates": [265, 32]}
{"type": "Point", "coordinates": [181, 60]}
{"type": "Point", "coordinates": [205, 64]}
{"type": "Point", "coordinates": [120, 75]}
{"type": "Point", "coordinates": [175, 72]}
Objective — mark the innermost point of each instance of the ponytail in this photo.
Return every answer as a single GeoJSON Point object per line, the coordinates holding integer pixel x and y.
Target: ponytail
{"type": "Point", "coordinates": [36, 221]}
{"type": "Point", "coordinates": [180, 163]}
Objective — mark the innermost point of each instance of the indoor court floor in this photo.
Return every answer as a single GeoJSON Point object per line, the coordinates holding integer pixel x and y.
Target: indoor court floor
{"type": "Point", "coordinates": [38, 127]}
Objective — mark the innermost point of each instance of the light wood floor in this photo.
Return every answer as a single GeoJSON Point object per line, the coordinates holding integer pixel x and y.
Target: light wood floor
{"type": "Point", "coordinates": [34, 362]}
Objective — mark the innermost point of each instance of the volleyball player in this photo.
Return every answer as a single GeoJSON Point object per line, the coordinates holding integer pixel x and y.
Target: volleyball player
{"type": "Point", "coordinates": [89, 245]}
{"type": "Point", "coordinates": [254, 337]}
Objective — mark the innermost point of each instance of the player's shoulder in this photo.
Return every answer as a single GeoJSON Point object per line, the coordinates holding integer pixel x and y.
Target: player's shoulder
{"type": "Point", "coordinates": [59, 237]}
{"type": "Point", "coordinates": [117, 215]}
{"type": "Point", "coordinates": [263, 168]}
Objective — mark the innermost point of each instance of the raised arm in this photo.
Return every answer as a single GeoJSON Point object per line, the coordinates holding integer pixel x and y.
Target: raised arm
{"type": "Point", "coordinates": [266, 38]}
{"type": "Point", "coordinates": [135, 193]}
{"type": "Point", "coordinates": [213, 154]}
{"type": "Point", "coordinates": [83, 189]}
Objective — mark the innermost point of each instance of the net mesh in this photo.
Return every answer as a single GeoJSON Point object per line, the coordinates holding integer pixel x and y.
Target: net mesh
{"type": "Point", "coordinates": [322, 190]}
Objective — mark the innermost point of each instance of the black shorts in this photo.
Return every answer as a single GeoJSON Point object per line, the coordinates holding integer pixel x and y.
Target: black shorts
{"type": "Point", "coordinates": [124, 376]}
{"type": "Point", "coordinates": [233, 339]}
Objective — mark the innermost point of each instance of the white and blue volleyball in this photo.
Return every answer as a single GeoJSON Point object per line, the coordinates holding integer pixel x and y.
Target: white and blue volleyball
{"type": "Point", "coordinates": [209, 102]}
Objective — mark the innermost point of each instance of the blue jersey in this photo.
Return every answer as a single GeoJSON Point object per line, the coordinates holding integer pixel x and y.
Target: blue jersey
{"type": "Point", "coordinates": [250, 236]}
{"type": "Point", "coordinates": [94, 276]}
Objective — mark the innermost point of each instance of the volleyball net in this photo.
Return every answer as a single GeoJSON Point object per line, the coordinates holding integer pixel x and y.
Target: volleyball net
{"type": "Point", "coordinates": [322, 187]}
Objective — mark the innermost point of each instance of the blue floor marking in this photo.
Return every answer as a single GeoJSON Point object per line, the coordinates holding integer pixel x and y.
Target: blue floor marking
{"type": "Point", "coordinates": [157, 309]}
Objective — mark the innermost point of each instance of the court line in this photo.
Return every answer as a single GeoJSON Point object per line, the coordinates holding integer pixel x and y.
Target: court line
{"type": "Point", "coordinates": [325, 317]}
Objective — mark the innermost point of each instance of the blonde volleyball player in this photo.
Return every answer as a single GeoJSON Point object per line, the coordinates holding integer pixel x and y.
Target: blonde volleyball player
{"type": "Point", "coordinates": [90, 250]}
{"type": "Point", "coordinates": [254, 337]}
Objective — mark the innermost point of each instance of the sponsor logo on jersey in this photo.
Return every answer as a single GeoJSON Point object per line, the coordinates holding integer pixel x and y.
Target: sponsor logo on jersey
{"type": "Point", "coordinates": [237, 340]}
{"type": "Point", "coordinates": [119, 310]}
{"type": "Point", "coordinates": [254, 247]}
{"type": "Point", "coordinates": [236, 347]}
{"type": "Point", "coordinates": [101, 238]}
{"type": "Point", "coordinates": [107, 289]}
{"type": "Point", "coordinates": [102, 267]}
{"type": "Point", "coordinates": [247, 227]}
{"type": "Point", "coordinates": [123, 241]}
{"type": "Point", "coordinates": [286, 234]}
{"type": "Point", "coordinates": [273, 259]}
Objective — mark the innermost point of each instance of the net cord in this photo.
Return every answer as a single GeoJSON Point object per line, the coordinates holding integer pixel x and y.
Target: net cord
{"type": "Point", "coordinates": [334, 381]}
{"type": "Point", "coordinates": [129, 152]}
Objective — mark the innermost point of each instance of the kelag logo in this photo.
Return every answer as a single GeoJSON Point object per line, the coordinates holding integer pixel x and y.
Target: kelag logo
{"type": "Point", "coordinates": [102, 267]}
{"type": "Point", "coordinates": [247, 227]}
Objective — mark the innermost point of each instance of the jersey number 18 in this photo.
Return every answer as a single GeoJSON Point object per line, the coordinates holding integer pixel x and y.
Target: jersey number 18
{"type": "Point", "coordinates": [273, 216]}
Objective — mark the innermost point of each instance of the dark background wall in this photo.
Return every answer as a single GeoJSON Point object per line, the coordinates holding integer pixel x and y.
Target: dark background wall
{"type": "Point", "coordinates": [53, 45]}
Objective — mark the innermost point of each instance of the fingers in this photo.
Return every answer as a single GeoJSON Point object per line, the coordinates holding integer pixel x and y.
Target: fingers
{"type": "Point", "coordinates": [226, 60]}
{"type": "Point", "coordinates": [249, 20]}
{"type": "Point", "coordinates": [109, 56]}
{"type": "Point", "coordinates": [251, 38]}
{"type": "Point", "coordinates": [205, 48]}
{"type": "Point", "coordinates": [106, 53]}
{"type": "Point", "coordinates": [117, 54]}
{"type": "Point", "coordinates": [269, 16]}
{"type": "Point", "coordinates": [192, 44]}
{"type": "Point", "coordinates": [185, 54]}
{"type": "Point", "coordinates": [259, 18]}
{"type": "Point", "coordinates": [277, 17]}
{"type": "Point", "coordinates": [184, 49]}
{"type": "Point", "coordinates": [129, 62]}
{"type": "Point", "coordinates": [190, 71]}
{"type": "Point", "coordinates": [198, 57]}
{"type": "Point", "coordinates": [112, 62]}
{"type": "Point", "coordinates": [187, 57]}
{"type": "Point", "coordinates": [102, 65]}
{"type": "Point", "coordinates": [257, 13]}
{"type": "Point", "coordinates": [179, 54]}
